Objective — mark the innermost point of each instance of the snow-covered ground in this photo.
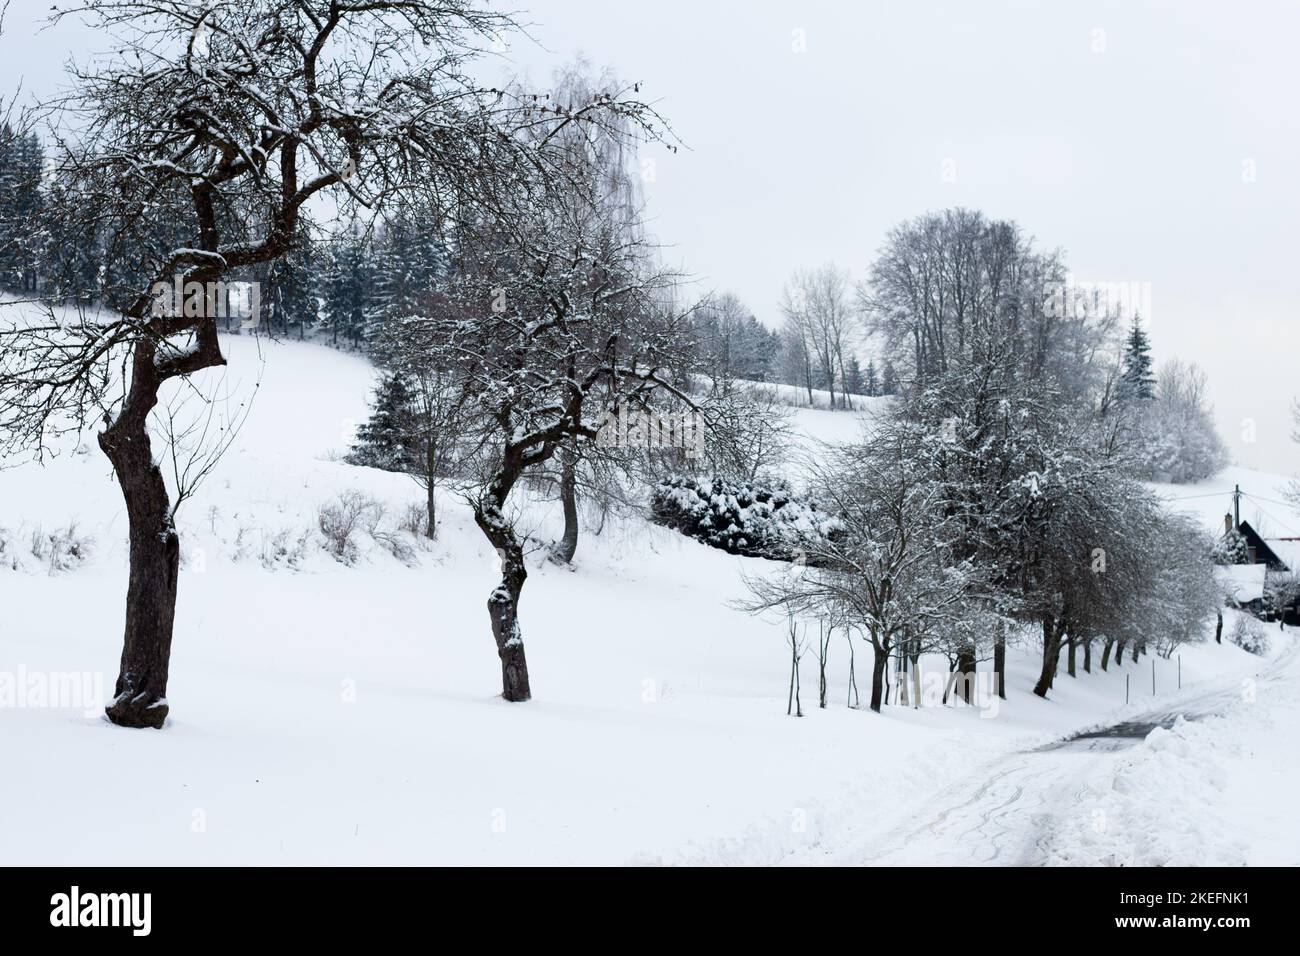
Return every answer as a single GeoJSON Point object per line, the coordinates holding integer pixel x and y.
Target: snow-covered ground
{"type": "Point", "coordinates": [332, 714]}
{"type": "Point", "coordinates": [1197, 779]}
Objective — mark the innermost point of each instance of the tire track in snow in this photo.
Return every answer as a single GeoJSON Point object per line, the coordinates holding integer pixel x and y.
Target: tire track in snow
{"type": "Point", "coordinates": [1005, 813]}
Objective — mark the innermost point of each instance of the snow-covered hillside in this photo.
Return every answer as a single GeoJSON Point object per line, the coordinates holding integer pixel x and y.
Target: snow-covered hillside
{"type": "Point", "coordinates": [322, 713]}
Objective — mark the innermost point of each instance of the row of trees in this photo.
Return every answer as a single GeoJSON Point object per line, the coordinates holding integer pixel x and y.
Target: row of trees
{"type": "Point", "coordinates": [999, 492]}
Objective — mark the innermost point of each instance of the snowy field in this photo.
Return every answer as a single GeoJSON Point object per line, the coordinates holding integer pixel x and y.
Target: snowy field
{"type": "Point", "coordinates": [324, 714]}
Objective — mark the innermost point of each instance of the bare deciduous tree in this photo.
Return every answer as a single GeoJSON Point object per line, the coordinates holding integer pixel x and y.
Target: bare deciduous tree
{"type": "Point", "coordinates": [887, 574]}
{"type": "Point", "coordinates": [815, 304]}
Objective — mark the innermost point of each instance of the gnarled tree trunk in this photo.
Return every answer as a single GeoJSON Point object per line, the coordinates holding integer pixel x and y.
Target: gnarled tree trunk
{"type": "Point", "coordinates": [503, 603]}
{"type": "Point", "coordinates": [140, 694]}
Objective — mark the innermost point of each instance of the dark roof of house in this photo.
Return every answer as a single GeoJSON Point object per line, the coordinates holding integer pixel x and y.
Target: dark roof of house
{"type": "Point", "coordinates": [1263, 553]}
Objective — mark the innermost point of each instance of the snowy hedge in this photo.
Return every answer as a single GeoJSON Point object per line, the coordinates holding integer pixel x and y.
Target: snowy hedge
{"type": "Point", "coordinates": [1248, 634]}
{"type": "Point", "coordinates": [752, 519]}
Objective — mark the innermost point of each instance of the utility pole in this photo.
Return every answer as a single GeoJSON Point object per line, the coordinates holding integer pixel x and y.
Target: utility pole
{"type": "Point", "coordinates": [1236, 507]}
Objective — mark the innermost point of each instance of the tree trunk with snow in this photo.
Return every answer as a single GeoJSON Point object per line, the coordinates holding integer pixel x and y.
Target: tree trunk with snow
{"type": "Point", "coordinates": [430, 488]}
{"type": "Point", "coordinates": [503, 603]}
{"type": "Point", "coordinates": [1051, 651]}
{"type": "Point", "coordinates": [904, 678]}
{"type": "Point", "coordinates": [140, 694]}
{"type": "Point", "coordinates": [966, 669]}
{"type": "Point", "coordinates": [948, 686]}
{"type": "Point", "coordinates": [852, 699]}
{"type": "Point", "coordinates": [824, 635]}
{"type": "Point", "coordinates": [564, 551]}
{"type": "Point", "coordinates": [880, 664]}
{"type": "Point", "coordinates": [916, 680]}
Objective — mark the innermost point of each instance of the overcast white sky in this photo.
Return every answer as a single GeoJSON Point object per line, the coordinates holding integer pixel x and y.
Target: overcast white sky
{"type": "Point", "coordinates": [1124, 133]}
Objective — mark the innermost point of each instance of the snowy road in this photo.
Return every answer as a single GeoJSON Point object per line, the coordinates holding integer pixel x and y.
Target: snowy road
{"type": "Point", "coordinates": [1067, 802]}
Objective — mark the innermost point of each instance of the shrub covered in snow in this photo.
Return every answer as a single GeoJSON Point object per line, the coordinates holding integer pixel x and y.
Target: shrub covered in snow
{"type": "Point", "coordinates": [756, 519]}
{"type": "Point", "coordinates": [353, 518]}
{"type": "Point", "coordinates": [284, 549]}
{"type": "Point", "coordinates": [61, 550]}
{"type": "Point", "coordinates": [1231, 548]}
{"type": "Point", "coordinates": [1248, 634]}
{"type": "Point", "coordinates": [342, 521]}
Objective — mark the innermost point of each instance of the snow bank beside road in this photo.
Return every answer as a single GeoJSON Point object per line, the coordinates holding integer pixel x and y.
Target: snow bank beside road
{"type": "Point", "coordinates": [1214, 791]}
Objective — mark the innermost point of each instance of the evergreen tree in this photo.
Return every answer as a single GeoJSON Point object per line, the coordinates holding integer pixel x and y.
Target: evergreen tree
{"type": "Point", "coordinates": [750, 357]}
{"type": "Point", "coordinates": [291, 296]}
{"type": "Point", "coordinates": [407, 270]}
{"type": "Point", "coordinates": [1231, 548]}
{"type": "Point", "coordinates": [133, 250]}
{"type": "Point", "coordinates": [853, 381]}
{"type": "Point", "coordinates": [347, 290]}
{"type": "Point", "coordinates": [21, 163]}
{"type": "Point", "coordinates": [71, 253]}
{"type": "Point", "coordinates": [387, 439]}
{"type": "Point", "coordinates": [1138, 381]}
{"type": "Point", "coordinates": [889, 380]}
{"type": "Point", "coordinates": [872, 382]}
{"type": "Point", "coordinates": [771, 355]}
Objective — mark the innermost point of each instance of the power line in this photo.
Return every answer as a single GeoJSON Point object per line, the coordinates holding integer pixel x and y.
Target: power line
{"type": "Point", "coordinates": [1272, 501]}
{"type": "Point", "coordinates": [1244, 494]}
{"type": "Point", "coordinates": [1268, 515]}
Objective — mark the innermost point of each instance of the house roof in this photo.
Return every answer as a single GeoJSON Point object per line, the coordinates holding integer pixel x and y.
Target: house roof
{"type": "Point", "coordinates": [1241, 583]}
{"type": "Point", "coordinates": [1264, 553]}
{"type": "Point", "coordinates": [1287, 550]}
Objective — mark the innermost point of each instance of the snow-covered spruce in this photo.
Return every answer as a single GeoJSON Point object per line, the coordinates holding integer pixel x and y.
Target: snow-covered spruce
{"type": "Point", "coordinates": [763, 520]}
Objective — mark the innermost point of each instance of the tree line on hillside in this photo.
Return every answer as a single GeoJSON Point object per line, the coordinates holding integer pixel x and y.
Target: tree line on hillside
{"type": "Point", "coordinates": [340, 285]}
